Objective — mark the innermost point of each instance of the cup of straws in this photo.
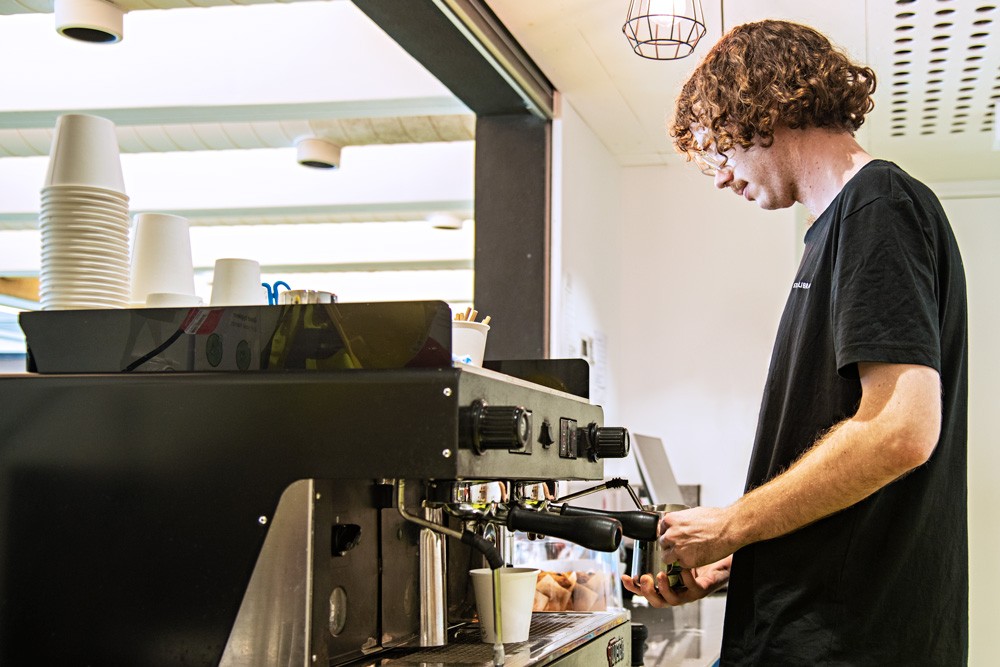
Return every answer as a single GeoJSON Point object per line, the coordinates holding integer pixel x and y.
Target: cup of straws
{"type": "Point", "coordinates": [468, 337]}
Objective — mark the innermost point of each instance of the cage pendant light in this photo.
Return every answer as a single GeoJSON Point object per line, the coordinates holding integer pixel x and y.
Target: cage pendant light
{"type": "Point", "coordinates": [664, 29]}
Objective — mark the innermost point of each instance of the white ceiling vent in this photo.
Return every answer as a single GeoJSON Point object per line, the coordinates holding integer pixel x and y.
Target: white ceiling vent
{"type": "Point", "coordinates": [945, 73]}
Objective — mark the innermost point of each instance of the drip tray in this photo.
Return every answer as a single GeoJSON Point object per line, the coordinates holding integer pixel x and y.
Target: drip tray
{"type": "Point", "coordinates": [552, 635]}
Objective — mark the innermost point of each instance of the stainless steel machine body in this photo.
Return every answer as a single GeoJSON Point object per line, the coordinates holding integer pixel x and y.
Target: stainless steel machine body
{"type": "Point", "coordinates": [251, 518]}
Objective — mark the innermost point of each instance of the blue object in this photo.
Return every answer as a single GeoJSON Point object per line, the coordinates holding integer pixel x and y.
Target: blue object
{"type": "Point", "coordinates": [272, 292]}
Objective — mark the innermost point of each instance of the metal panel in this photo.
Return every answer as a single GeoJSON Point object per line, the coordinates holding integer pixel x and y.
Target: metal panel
{"type": "Point", "coordinates": [356, 573]}
{"type": "Point", "coordinates": [273, 625]}
{"type": "Point", "coordinates": [130, 506]}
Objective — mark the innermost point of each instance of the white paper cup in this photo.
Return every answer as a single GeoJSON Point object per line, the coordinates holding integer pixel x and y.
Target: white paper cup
{"type": "Point", "coordinates": [468, 341]}
{"type": "Point", "coordinates": [105, 281]}
{"type": "Point", "coordinates": [85, 268]}
{"type": "Point", "coordinates": [72, 205]}
{"type": "Point", "coordinates": [171, 300]}
{"type": "Point", "coordinates": [117, 231]}
{"type": "Point", "coordinates": [57, 194]}
{"type": "Point", "coordinates": [161, 256]}
{"type": "Point", "coordinates": [62, 259]}
{"type": "Point", "coordinates": [517, 593]}
{"type": "Point", "coordinates": [56, 190]}
{"type": "Point", "coordinates": [93, 245]}
{"type": "Point", "coordinates": [294, 296]}
{"type": "Point", "coordinates": [236, 282]}
{"type": "Point", "coordinates": [85, 153]}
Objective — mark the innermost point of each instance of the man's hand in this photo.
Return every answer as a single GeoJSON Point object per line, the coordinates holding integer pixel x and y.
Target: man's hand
{"type": "Point", "coordinates": [697, 536]}
{"type": "Point", "coordinates": [700, 581]}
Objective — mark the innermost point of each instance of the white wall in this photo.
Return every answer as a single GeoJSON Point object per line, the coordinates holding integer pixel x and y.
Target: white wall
{"type": "Point", "coordinates": [587, 240]}
{"type": "Point", "coordinates": [705, 277]}
{"type": "Point", "coordinates": [977, 225]}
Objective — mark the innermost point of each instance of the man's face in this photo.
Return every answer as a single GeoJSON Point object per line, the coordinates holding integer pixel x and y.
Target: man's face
{"type": "Point", "coordinates": [758, 174]}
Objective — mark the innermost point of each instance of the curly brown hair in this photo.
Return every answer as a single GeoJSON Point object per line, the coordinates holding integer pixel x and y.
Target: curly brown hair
{"type": "Point", "coordinates": [768, 74]}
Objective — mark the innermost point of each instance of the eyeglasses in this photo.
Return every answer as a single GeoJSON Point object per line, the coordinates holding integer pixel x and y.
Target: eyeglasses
{"type": "Point", "coordinates": [711, 162]}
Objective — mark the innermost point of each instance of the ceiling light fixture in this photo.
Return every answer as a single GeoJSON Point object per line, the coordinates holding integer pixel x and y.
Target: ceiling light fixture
{"type": "Point", "coordinates": [95, 21]}
{"type": "Point", "coordinates": [664, 29]}
{"type": "Point", "coordinates": [318, 153]}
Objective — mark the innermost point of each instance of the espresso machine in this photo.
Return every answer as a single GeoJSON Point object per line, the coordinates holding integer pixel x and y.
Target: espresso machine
{"type": "Point", "coordinates": [302, 485]}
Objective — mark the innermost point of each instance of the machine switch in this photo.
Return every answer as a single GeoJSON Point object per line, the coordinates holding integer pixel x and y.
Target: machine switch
{"type": "Point", "coordinates": [567, 438]}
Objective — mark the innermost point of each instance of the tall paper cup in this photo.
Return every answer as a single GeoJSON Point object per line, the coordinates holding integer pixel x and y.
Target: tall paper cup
{"type": "Point", "coordinates": [161, 256]}
{"type": "Point", "coordinates": [468, 341]}
{"type": "Point", "coordinates": [237, 283]}
{"type": "Point", "coordinates": [85, 153]}
{"type": "Point", "coordinates": [517, 593]}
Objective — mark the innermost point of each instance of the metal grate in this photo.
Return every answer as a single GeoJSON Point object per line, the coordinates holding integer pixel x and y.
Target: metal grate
{"type": "Point", "coordinates": [551, 633]}
{"type": "Point", "coordinates": [467, 646]}
{"type": "Point", "coordinates": [945, 72]}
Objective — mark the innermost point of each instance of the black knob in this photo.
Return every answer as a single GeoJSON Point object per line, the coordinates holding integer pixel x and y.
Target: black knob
{"type": "Point", "coordinates": [499, 427]}
{"type": "Point", "coordinates": [607, 442]}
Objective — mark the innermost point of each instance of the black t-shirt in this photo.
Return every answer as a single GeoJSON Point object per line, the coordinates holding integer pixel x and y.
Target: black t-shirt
{"type": "Point", "coordinates": [884, 582]}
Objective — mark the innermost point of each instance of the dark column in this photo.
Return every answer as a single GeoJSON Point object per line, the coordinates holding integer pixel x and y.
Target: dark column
{"type": "Point", "coordinates": [512, 234]}
{"type": "Point", "coordinates": [512, 178]}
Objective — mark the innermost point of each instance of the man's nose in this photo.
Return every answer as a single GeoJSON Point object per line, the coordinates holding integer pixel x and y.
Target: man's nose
{"type": "Point", "coordinates": [723, 177]}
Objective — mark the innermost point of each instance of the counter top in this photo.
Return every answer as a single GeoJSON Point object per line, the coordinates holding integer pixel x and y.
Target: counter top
{"type": "Point", "coordinates": [687, 636]}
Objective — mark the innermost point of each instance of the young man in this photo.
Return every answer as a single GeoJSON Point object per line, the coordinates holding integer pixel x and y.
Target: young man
{"type": "Point", "coordinates": [849, 546]}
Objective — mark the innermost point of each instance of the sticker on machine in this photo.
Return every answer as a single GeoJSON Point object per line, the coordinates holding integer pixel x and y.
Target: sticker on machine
{"type": "Point", "coordinates": [201, 321]}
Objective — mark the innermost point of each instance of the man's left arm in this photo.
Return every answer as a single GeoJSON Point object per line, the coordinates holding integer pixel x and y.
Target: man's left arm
{"type": "Point", "coordinates": [895, 430]}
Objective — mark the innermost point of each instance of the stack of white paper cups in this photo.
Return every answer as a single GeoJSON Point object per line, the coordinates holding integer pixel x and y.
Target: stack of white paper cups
{"type": "Point", "coordinates": [84, 218]}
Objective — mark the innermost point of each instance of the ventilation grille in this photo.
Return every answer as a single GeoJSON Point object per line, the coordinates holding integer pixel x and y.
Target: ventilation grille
{"type": "Point", "coordinates": [945, 67]}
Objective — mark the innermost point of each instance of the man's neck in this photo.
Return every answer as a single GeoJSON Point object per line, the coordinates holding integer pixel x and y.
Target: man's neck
{"type": "Point", "coordinates": [826, 161]}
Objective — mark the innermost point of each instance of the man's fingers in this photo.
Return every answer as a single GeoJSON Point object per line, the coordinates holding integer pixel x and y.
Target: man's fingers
{"type": "Point", "coordinates": [649, 589]}
{"type": "Point", "coordinates": [690, 578]}
{"type": "Point", "coordinates": [629, 585]}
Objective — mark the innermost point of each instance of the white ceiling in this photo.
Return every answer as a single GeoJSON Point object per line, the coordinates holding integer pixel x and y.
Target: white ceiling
{"type": "Point", "coordinates": [229, 87]}
{"type": "Point", "coordinates": [626, 99]}
{"type": "Point", "coordinates": [232, 84]}
{"type": "Point", "coordinates": [578, 44]}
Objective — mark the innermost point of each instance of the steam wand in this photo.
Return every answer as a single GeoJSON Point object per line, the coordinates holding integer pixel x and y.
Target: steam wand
{"type": "Point", "coordinates": [476, 542]}
{"type": "Point", "coordinates": [468, 537]}
{"type": "Point", "coordinates": [613, 483]}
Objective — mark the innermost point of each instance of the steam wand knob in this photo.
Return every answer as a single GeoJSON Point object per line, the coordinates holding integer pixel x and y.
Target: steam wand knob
{"type": "Point", "coordinates": [606, 442]}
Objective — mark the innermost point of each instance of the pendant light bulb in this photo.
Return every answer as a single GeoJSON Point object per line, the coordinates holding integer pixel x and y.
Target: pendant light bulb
{"type": "Point", "coordinates": [664, 13]}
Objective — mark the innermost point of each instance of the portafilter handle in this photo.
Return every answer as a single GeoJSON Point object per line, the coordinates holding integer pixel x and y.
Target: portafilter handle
{"type": "Point", "coordinates": [635, 524]}
{"type": "Point", "coordinates": [599, 533]}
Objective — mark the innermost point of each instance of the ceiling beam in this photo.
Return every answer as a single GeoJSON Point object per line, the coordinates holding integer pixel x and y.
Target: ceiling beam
{"type": "Point", "coordinates": [287, 215]}
{"type": "Point", "coordinates": [244, 113]}
{"type": "Point", "coordinates": [466, 47]}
